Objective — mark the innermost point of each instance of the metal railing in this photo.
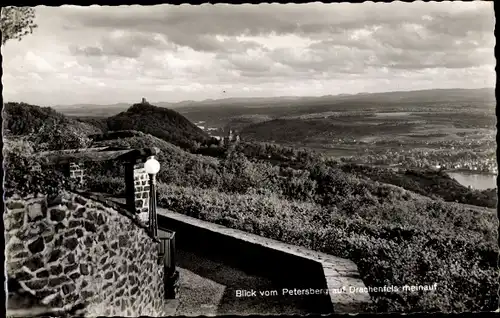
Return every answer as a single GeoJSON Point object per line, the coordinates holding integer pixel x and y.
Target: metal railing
{"type": "Point", "coordinates": [167, 251]}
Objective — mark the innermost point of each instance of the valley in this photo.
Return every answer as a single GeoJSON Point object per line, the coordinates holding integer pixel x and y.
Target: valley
{"type": "Point", "coordinates": [452, 134]}
{"type": "Point", "coordinates": [435, 129]}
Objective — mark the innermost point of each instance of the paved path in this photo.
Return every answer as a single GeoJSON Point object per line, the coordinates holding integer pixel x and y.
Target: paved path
{"type": "Point", "coordinates": [339, 272]}
{"type": "Point", "coordinates": [209, 288]}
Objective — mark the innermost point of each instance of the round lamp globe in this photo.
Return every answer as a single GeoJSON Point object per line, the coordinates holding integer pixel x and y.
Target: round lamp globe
{"type": "Point", "coordinates": [152, 166]}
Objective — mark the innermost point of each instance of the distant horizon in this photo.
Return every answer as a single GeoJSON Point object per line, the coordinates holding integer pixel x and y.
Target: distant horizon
{"type": "Point", "coordinates": [139, 100]}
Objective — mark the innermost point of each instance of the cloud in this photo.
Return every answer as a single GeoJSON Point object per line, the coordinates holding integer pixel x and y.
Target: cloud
{"type": "Point", "coordinates": [112, 54]}
{"type": "Point", "coordinates": [122, 44]}
{"type": "Point", "coordinates": [303, 19]}
{"type": "Point", "coordinates": [86, 51]}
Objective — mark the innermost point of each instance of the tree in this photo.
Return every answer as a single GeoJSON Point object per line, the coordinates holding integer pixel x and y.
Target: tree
{"type": "Point", "coordinates": [59, 134]}
{"type": "Point", "coordinates": [16, 22]}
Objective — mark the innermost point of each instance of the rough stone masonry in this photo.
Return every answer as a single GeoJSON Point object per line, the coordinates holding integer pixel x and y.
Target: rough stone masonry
{"type": "Point", "coordinates": [137, 185]}
{"type": "Point", "coordinates": [76, 173]}
{"type": "Point", "coordinates": [76, 251]}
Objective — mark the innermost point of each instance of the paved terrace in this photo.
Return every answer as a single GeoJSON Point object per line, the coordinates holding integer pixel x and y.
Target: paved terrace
{"type": "Point", "coordinates": [208, 287]}
{"type": "Point", "coordinates": [338, 272]}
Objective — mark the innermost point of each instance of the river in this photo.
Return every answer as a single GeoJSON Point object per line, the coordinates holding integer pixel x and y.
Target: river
{"type": "Point", "coordinates": [479, 181]}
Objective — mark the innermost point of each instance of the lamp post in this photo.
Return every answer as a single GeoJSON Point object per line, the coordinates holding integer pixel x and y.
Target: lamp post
{"type": "Point", "coordinates": [152, 167]}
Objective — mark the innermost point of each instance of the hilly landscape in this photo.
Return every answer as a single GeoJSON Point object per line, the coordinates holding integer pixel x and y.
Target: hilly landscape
{"type": "Point", "coordinates": [24, 119]}
{"type": "Point", "coordinates": [277, 107]}
{"type": "Point", "coordinates": [159, 122]}
{"type": "Point", "coordinates": [376, 124]}
{"type": "Point", "coordinates": [414, 225]}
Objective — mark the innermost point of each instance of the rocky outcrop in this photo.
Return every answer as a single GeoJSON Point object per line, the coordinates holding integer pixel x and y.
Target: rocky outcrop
{"type": "Point", "coordinates": [74, 251]}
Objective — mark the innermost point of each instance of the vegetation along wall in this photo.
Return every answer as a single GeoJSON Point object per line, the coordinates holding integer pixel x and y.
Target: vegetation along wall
{"type": "Point", "coordinates": [73, 251]}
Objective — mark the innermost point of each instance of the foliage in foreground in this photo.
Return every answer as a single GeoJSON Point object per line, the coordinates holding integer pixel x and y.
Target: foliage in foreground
{"type": "Point", "coordinates": [16, 22]}
{"type": "Point", "coordinates": [397, 250]}
{"type": "Point", "coordinates": [177, 166]}
{"type": "Point", "coordinates": [27, 175]}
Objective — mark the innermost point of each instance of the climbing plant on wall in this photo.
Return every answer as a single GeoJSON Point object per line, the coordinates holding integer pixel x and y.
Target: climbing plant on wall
{"type": "Point", "coordinates": [25, 175]}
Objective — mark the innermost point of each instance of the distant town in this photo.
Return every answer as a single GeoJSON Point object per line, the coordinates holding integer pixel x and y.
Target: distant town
{"type": "Point", "coordinates": [444, 154]}
{"type": "Point", "coordinates": [225, 136]}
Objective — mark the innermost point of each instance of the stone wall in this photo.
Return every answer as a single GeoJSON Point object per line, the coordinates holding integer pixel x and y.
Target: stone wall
{"type": "Point", "coordinates": [76, 173]}
{"type": "Point", "coordinates": [74, 251]}
{"type": "Point", "coordinates": [141, 187]}
{"type": "Point", "coordinates": [137, 187]}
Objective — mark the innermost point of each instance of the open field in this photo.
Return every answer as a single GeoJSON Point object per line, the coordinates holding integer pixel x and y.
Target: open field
{"type": "Point", "coordinates": [344, 125]}
{"type": "Point", "coordinates": [432, 127]}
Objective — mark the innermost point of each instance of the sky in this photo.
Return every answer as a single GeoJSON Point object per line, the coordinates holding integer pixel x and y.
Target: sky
{"type": "Point", "coordinates": [166, 53]}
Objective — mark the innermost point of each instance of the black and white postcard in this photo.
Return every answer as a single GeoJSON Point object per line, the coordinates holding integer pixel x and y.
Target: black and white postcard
{"type": "Point", "coordinates": [267, 159]}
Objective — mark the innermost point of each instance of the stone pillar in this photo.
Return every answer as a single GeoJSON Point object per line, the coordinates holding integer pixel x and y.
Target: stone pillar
{"type": "Point", "coordinates": [137, 188]}
{"type": "Point", "coordinates": [76, 173]}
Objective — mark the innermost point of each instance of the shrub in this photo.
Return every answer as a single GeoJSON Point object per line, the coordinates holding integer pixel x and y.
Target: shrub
{"type": "Point", "coordinates": [59, 135]}
{"type": "Point", "coordinates": [106, 184]}
{"type": "Point", "coordinates": [24, 175]}
{"type": "Point", "coordinates": [18, 145]}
